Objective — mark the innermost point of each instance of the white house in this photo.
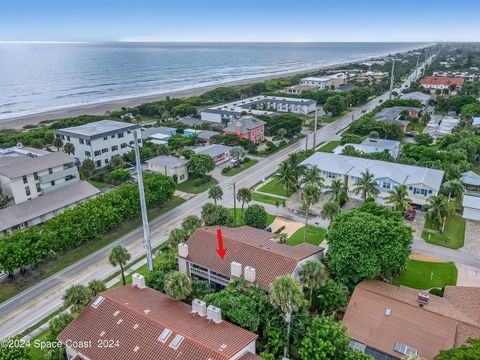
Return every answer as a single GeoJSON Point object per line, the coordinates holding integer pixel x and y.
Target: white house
{"type": "Point", "coordinates": [170, 166]}
{"type": "Point", "coordinates": [422, 183]}
{"type": "Point", "coordinates": [100, 140]}
{"type": "Point", "coordinates": [369, 146]}
{"type": "Point", "coordinates": [417, 95]}
{"type": "Point", "coordinates": [317, 83]}
{"type": "Point", "coordinates": [219, 153]}
{"type": "Point", "coordinates": [471, 205]}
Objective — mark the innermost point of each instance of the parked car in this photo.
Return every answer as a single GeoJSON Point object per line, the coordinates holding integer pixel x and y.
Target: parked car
{"type": "Point", "coordinates": [269, 229]}
{"type": "Point", "coordinates": [410, 215]}
{"type": "Point", "coordinates": [364, 111]}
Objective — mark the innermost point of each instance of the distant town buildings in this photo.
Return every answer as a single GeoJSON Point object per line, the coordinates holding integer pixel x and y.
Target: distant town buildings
{"type": "Point", "coordinates": [258, 105]}
{"type": "Point", "coordinates": [369, 146]}
{"type": "Point", "coordinates": [394, 114]}
{"type": "Point", "coordinates": [421, 182]}
{"type": "Point", "coordinates": [314, 83]}
{"type": "Point", "coordinates": [371, 76]}
{"type": "Point", "coordinates": [143, 324]}
{"type": "Point", "coordinates": [100, 140]}
{"type": "Point", "coordinates": [247, 127]}
{"type": "Point", "coordinates": [248, 251]}
{"type": "Point", "coordinates": [417, 95]}
{"type": "Point", "coordinates": [170, 166]}
{"type": "Point", "coordinates": [159, 135]}
{"type": "Point", "coordinates": [468, 77]}
{"type": "Point", "coordinates": [471, 196]}
{"type": "Point", "coordinates": [391, 322]}
{"type": "Point", "coordinates": [434, 83]}
{"type": "Point", "coordinates": [440, 125]}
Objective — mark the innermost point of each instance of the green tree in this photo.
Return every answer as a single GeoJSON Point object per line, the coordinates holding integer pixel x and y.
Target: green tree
{"type": "Point", "coordinates": [176, 237]}
{"type": "Point", "coordinates": [96, 286]}
{"type": "Point", "coordinates": [57, 324]}
{"type": "Point", "coordinates": [244, 195]}
{"type": "Point", "coordinates": [11, 352]}
{"type": "Point", "coordinates": [310, 195]}
{"type": "Point", "coordinates": [331, 296]}
{"type": "Point", "coordinates": [58, 143]}
{"type": "Point", "coordinates": [452, 188]}
{"type": "Point", "coordinates": [399, 199]}
{"type": "Point", "coordinates": [119, 256]}
{"type": "Point", "coordinates": [256, 216]}
{"type": "Point", "coordinates": [190, 224]}
{"type": "Point", "coordinates": [87, 168]}
{"type": "Point", "coordinates": [470, 350]}
{"type": "Point", "coordinates": [216, 193]}
{"type": "Point", "coordinates": [200, 288]}
{"type": "Point", "coordinates": [69, 148]}
{"type": "Point", "coordinates": [200, 165]}
{"type": "Point", "coordinates": [216, 215]}
{"type": "Point", "coordinates": [285, 294]}
{"type": "Point", "coordinates": [366, 185]}
{"type": "Point", "coordinates": [287, 177]}
{"type": "Point", "coordinates": [364, 246]}
{"type": "Point", "coordinates": [116, 162]}
{"type": "Point", "coordinates": [337, 190]}
{"type": "Point", "coordinates": [329, 210]}
{"type": "Point", "coordinates": [119, 176]}
{"type": "Point", "coordinates": [178, 285]}
{"type": "Point", "coordinates": [423, 139]}
{"type": "Point", "coordinates": [312, 176]}
{"type": "Point", "coordinates": [311, 275]}
{"type": "Point", "coordinates": [438, 208]}
{"type": "Point", "coordinates": [77, 297]}
{"type": "Point", "coordinates": [334, 105]}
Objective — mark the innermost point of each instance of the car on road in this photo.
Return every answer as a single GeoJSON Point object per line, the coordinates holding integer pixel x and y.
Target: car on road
{"type": "Point", "coordinates": [410, 215]}
{"type": "Point", "coordinates": [364, 111]}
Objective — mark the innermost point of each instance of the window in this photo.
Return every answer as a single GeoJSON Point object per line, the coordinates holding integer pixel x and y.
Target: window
{"type": "Point", "coordinates": [182, 177]}
{"type": "Point", "coordinates": [129, 132]}
{"type": "Point", "coordinates": [81, 141]}
{"type": "Point", "coordinates": [165, 335]}
{"type": "Point", "coordinates": [386, 185]}
{"type": "Point", "coordinates": [39, 189]}
{"type": "Point", "coordinates": [104, 150]}
{"type": "Point", "coordinates": [87, 153]}
{"type": "Point", "coordinates": [131, 142]}
{"type": "Point", "coordinates": [113, 136]}
{"type": "Point", "coordinates": [97, 152]}
{"type": "Point", "coordinates": [68, 138]}
{"type": "Point", "coordinates": [114, 148]}
{"type": "Point", "coordinates": [106, 161]}
{"type": "Point", "coordinates": [120, 135]}
{"type": "Point", "coordinates": [63, 137]}
{"type": "Point", "coordinates": [35, 176]}
{"type": "Point", "coordinates": [87, 142]}
{"type": "Point", "coordinates": [52, 182]}
{"type": "Point", "coordinates": [177, 340]}
{"type": "Point", "coordinates": [27, 190]}
{"type": "Point", "coordinates": [50, 171]}
{"type": "Point", "coordinates": [98, 163]}
{"type": "Point", "coordinates": [331, 175]}
{"type": "Point", "coordinates": [97, 302]}
{"type": "Point", "coordinates": [25, 180]}
{"type": "Point", "coordinates": [105, 138]}
{"type": "Point", "coordinates": [123, 146]}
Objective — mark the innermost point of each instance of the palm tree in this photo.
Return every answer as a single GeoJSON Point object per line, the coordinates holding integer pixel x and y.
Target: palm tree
{"type": "Point", "coordinates": [285, 293]}
{"type": "Point", "coordinates": [87, 168]}
{"type": "Point", "coordinates": [452, 188]}
{"type": "Point", "coordinates": [366, 186]}
{"type": "Point", "coordinates": [58, 143]}
{"type": "Point", "coordinates": [438, 208]}
{"type": "Point", "coordinates": [76, 296]}
{"type": "Point", "coordinates": [178, 285]}
{"type": "Point", "coordinates": [399, 198]}
{"type": "Point", "coordinates": [244, 195]}
{"type": "Point", "coordinates": [96, 286]}
{"type": "Point", "coordinates": [329, 210]}
{"type": "Point", "coordinates": [116, 162]}
{"type": "Point", "coordinates": [311, 275]}
{"type": "Point", "coordinates": [176, 237]}
{"type": "Point", "coordinates": [119, 256]}
{"type": "Point", "coordinates": [58, 323]}
{"type": "Point", "coordinates": [216, 193]}
{"type": "Point", "coordinates": [286, 176]}
{"type": "Point", "coordinates": [337, 189]}
{"type": "Point", "coordinates": [313, 176]}
{"type": "Point", "coordinates": [69, 148]}
{"type": "Point", "coordinates": [190, 224]}
{"type": "Point", "coordinates": [310, 195]}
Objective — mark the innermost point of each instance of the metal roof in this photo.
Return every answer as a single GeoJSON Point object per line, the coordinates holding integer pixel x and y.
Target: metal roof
{"type": "Point", "coordinates": [96, 129]}
{"type": "Point", "coordinates": [15, 166]}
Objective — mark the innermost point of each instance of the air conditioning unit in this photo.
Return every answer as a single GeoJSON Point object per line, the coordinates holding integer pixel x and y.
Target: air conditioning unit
{"type": "Point", "coordinates": [199, 307]}
{"type": "Point", "coordinates": [236, 269]}
{"type": "Point", "coordinates": [249, 274]}
{"type": "Point", "coordinates": [423, 298]}
{"type": "Point", "coordinates": [214, 313]}
{"type": "Point", "coordinates": [138, 281]}
{"type": "Point", "coordinates": [183, 250]}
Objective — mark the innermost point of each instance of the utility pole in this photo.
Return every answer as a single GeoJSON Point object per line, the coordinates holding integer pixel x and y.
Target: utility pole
{"type": "Point", "coordinates": [416, 69]}
{"type": "Point", "coordinates": [315, 131]}
{"type": "Point", "coordinates": [234, 205]}
{"type": "Point", "coordinates": [391, 79]}
{"type": "Point", "coordinates": [306, 142]}
{"type": "Point", "coordinates": [143, 205]}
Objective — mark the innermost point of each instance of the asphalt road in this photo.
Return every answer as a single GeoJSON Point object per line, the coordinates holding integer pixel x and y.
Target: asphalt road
{"type": "Point", "coordinates": [32, 305]}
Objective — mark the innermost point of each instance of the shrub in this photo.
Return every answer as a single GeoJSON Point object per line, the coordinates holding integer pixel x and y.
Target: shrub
{"type": "Point", "coordinates": [256, 216]}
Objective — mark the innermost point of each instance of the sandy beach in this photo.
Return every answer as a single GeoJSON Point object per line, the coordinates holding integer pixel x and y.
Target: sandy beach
{"type": "Point", "coordinates": [101, 108]}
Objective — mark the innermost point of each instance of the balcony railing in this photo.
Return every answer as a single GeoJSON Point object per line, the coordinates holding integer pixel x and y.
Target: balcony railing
{"type": "Point", "coordinates": [57, 175]}
{"type": "Point", "coordinates": [199, 272]}
{"type": "Point", "coordinates": [60, 185]}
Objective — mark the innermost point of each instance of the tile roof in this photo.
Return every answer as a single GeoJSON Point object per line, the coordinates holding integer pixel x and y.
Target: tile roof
{"type": "Point", "coordinates": [353, 166]}
{"type": "Point", "coordinates": [167, 160]}
{"type": "Point", "coordinates": [16, 166]}
{"type": "Point", "coordinates": [441, 324]}
{"type": "Point", "coordinates": [249, 247]}
{"type": "Point", "coordinates": [46, 204]}
{"type": "Point", "coordinates": [247, 123]}
{"type": "Point", "coordinates": [136, 318]}
{"type": "Point", "coordinates": [249, 356]}
{"type": "Point", "coordinates": [441, 80]}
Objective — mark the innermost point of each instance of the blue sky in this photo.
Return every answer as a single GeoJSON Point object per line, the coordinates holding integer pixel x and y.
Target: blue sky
{"type": "Point", "coordinates": [235, 20]}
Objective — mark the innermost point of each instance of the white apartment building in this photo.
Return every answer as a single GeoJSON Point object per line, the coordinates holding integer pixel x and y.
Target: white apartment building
{"type": "Point", "coordinates": [101, 140]}
{"type": "Point", "coordinates": [422, 183]}
{"type": "Point", "coordinates": [318, 83]}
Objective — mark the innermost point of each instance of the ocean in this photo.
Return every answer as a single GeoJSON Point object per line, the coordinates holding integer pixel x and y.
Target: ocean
{"type": "Point", "coordinates": [36, 77]}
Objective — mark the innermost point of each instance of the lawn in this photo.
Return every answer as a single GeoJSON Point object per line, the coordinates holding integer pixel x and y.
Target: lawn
{"type": "Point", "coordinates": [98, 184]}
{"type": "Point", "coordinates": [196, 186]}
{"type": "Point", "coordinates": [36, 353]}
{"type": "Point", "coordinates": [315, 235]}
{"type": "Point", "coordinates": [417, 127]}
{"type": "Point", "coordinates": [236, 170]}
{"type": "Point", "coordinates": [330, 146]}
{"type": "Point", "coordinates": [274, 187]}
{"type": "Point", "coordinates": [239, 218]}
{"type": "Point", "coordinates": [452, 237]}
{"type": "Point", "coordinates": [22, 282]}
{"type": "Point", "coordinates": [272, 200]}
{"type": "Point", "coordinates": [426, 275]}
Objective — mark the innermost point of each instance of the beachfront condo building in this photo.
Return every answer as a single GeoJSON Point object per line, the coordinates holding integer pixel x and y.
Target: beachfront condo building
{"type": "Point", "coordinates": [258, 105]}
{"type": "Point", "coordinates": [100, 140]}
{"type": "Point", "coordinates": [422, 183]}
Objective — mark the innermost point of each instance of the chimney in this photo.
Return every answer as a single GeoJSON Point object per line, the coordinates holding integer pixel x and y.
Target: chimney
{"type": "Point", "coordinates": [199, 307]}
{"type": "Point", "coordinates": [138, 281]}
{"type": "Point", "coordinates": [422, 299]}
{"type": "Point", "coordinates": [249, 274]}
{"type": "Point", "coordinates": [183, 250]}
{"type": "Point", "coordinates": [214, 313]}
{"type": "Point", "coordinates": [238, 128]}
{"type": "Point", "coordinates": [236, 269]}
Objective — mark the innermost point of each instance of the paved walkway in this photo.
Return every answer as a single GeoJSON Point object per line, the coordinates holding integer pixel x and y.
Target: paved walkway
{"type": "Point", "coordinates": [273, 195]}
{"type": "Point", "coordinates": [472, 238]}
{"type": "Point", "coordinates": [291, 226]}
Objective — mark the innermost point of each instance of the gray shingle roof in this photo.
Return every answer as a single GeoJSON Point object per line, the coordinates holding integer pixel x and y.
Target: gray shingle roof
{"type": "Point", "coordinates": [165, 130]}
{"type": "Point", "coordinates": [96, 129]}
{"type": "Point", "coordinates": [15, 166]}
{"type": "Point", "coordinates": [247, 123]}
{"type": "Point", "coordinates": [213, 150]}
{"type": "Point", "coordinates": [470, 178]}
{"type": "Point", "coordinates": [382, 143]}
{"type": "Point", "coordinates": [207, 134]}
{"type": "Point", "coordinates": [167, 160]}
{"type": "Point", "coordinates": [390, 114]}
{"type": "Point", "coordinates": [32, 209]}
{"type": "Point", "coordinates": [353, 166]}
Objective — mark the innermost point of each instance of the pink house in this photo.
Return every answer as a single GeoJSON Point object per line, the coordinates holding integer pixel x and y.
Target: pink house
{"type": "Point", "coordinates": [247, 127]}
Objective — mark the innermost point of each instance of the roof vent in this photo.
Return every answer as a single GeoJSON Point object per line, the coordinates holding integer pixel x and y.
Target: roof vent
{"type": "Point", "coordinates": [199, 307]}
{"type": "Point", "coordinates": [214, 313]}
{"type": "Point", "coordinates": [422, 299]}
{"type": "Point", "coordinates": [236, 269]}
{"type": "Point", "coordinates": [249, 274]}
{"type": "Point", "coordinates": [138, 281]}
{"type": "Point", "coordinates": [183, 250]}
{"type": "Point", "coordinates": [97, 302]}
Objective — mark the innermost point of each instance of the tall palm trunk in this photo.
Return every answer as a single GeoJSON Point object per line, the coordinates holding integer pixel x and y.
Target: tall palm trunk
{"type": "Point", "coordinates": [123, 275]}
{"type": "Point", "coordinates": [288, 319]}
{"type": "Point", "coordinates": [306, 224]}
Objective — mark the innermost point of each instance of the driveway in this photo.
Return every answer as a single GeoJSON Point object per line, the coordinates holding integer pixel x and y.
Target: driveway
{"type": "Point", "coordinates": [291, 226]}
{"type": "Point", "coordinates": [417, 224]}
{"type": "Point", "coordinates": [472, 238]}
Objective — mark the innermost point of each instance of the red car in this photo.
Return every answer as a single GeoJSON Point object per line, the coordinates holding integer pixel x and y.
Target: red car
{"type": "Point", "coordinates": [410, 215]}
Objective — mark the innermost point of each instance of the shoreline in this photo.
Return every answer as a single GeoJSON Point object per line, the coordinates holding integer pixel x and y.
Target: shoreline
{"type": "Point", "coordinates": [101, 108]}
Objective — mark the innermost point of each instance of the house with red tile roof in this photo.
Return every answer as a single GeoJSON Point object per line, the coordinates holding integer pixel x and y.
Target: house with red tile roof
{"type": "Point", "coordinates": [441, 83]}
{"type": "Point", "coordinates": [390, 322]}
{"type": "Point", "coordinates": [252, 254]}
{"type": "Point", "coordinates": [136, 322]}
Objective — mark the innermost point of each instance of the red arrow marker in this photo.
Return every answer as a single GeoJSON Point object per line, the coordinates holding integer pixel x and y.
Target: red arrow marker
{"type": "Point", "coordinates": [221, 250]}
